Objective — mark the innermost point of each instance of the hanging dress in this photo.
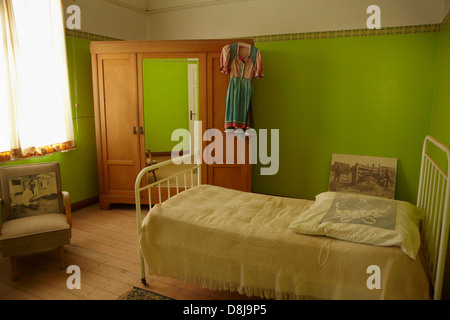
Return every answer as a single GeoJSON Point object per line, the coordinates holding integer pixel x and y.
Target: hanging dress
{"type": "Point", "coordinates": [242, 69]}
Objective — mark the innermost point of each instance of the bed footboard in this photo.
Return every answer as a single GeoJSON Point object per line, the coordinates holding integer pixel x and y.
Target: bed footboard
{"type": "Point", "coordinates": [177, 182]}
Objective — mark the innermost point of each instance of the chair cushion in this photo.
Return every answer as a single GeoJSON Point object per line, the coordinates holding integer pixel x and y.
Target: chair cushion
{"type": "Point", "coordinates": [33, 225]}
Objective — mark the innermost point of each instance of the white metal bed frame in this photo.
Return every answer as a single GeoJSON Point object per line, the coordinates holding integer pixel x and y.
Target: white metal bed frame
{"type": "Point", "coordinates": [433, 199]}
{"type": "Point", "coordinates": [139, 189]}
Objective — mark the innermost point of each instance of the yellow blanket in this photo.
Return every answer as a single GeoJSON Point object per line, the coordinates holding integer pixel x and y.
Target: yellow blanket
{"type": "Point", "coordinates": [224, 239]}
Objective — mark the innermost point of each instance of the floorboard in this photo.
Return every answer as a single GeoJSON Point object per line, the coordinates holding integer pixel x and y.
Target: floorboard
{"type": "Point", "coordinates": [104, 246]}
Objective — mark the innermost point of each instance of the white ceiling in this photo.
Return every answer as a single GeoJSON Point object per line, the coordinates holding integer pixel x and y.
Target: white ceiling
{"type": "Point", "coordinates": [157, 6]}
{"type": "Point", "coordinates": [154, 6]}
{"type": "Point", "coordinates": [211, 19]}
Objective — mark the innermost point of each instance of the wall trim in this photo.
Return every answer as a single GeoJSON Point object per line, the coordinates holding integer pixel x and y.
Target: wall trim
{"type": "Point", "coordinates": [444, 22]}
{"type": "Point", "coordinates": [427, 28]}
{"type": "Point", "coordinates": [88, 36]}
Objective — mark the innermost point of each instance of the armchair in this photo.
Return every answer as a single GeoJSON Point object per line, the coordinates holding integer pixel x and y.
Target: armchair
{"type": "Point", "coordinates": [35, 213]}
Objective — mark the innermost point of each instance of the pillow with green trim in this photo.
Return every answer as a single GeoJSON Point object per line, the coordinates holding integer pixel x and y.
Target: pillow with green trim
{"type": "Point", "coordinates": [364, 219]}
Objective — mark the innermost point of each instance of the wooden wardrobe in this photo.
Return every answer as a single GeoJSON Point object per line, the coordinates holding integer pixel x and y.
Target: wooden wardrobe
{"type": "Point", "coordinates": [119, 111]}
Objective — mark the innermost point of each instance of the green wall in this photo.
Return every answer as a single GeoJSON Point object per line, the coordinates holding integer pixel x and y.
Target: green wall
{"type": "Point", "coordinates": [79, 167]}
{"type": "Point", "coordinates": [165, 86]}
{"type": "Point", "coordinates": [356, 95]}
{"type": "Point", "coordinates": [440, 119]}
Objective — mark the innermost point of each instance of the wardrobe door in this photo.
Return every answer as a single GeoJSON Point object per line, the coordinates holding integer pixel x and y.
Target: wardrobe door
{"type": "Point", "coordinates": [119, 154]}
{"type": "Point", "coordinates": [227, 174]}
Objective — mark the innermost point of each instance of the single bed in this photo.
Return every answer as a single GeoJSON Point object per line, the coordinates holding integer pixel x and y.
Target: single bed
{"type": "Point", "coordinates": [224, 239]}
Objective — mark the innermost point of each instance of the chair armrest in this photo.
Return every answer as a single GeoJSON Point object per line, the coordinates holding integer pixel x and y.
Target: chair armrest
{"type": "Point", "coordinates": [1, 216]}
{"type": "Point", "coordinates": [67, 207]}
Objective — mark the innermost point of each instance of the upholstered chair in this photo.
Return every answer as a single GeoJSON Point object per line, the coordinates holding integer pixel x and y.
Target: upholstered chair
{"type": "Point", "coordinates": [35, 213]}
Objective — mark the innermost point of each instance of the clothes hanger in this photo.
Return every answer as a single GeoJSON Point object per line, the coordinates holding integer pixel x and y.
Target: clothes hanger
{"type": "Point", "coordinates": [243, 44]}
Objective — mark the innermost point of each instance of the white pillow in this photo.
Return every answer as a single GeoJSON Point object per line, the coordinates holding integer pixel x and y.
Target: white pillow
{"type": "Point", "coordinates": [363, 219]}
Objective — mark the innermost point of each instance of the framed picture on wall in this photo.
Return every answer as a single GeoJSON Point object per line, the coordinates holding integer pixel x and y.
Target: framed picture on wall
{"type": "Point", "coordinates": [373, 176]}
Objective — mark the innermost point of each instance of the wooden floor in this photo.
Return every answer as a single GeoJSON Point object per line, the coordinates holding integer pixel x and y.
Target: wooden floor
{"type": "Point", "coordinates": [104, 246]}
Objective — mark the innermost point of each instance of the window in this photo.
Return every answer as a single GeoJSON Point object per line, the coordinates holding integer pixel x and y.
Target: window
{"type": "Point", "coordinates": [35, 108]}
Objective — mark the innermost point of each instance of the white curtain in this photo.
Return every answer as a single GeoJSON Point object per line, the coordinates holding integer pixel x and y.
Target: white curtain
{"type": "Point", "coordinates": [35, 107]}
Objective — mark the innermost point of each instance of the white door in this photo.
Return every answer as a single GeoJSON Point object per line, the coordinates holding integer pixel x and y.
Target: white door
{"type": "Point", "coordinates": [193, 101]}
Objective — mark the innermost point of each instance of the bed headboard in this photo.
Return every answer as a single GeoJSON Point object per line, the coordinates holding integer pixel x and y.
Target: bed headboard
{"type": "Point", "coordinates": [433, 199]}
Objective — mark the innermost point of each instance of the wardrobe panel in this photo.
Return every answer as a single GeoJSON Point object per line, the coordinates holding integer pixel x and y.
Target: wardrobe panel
{"type": "Point", "coordinates": [120, 116]}
{"type": "Point", "coordinates": [232, 177]}
{"type": "Point", "coordinates": [118, 112]}
{"type": "Point", "coordinates": [119, 182]}
{"type": "Point", "coordinates": [230, 174]}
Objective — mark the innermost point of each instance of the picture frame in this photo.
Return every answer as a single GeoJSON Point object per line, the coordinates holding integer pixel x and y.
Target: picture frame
{"type": "Point", "coordinates": [373, 176]}
{"type": "Point", "coordinates": [33, 194]}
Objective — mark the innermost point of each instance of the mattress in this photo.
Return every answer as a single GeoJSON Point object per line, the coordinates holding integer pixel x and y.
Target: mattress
{"type": "Point", "coordinates": [223, 239]}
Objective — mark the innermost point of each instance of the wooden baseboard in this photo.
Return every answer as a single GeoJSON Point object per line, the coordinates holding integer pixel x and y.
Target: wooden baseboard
{"type": "Point", "coordinates": [162, 154]}
{"type": "Point", "coordinates": [173, 154]}
{"type": "Point", "coordinates": [84, 203]}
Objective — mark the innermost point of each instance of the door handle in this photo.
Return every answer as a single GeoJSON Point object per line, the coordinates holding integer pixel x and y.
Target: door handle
{"type": "Point", "coordinates": [191, 114]}
{"type": "Point", "coordinates": [134, 130]}
{"type": "Point", "coordinates": [142, 130]}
